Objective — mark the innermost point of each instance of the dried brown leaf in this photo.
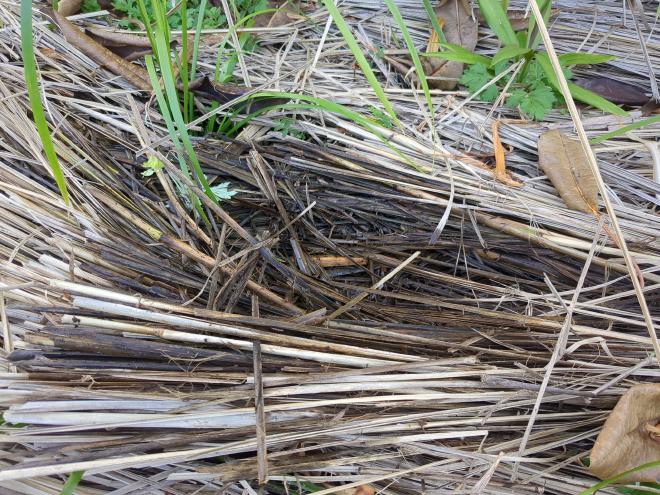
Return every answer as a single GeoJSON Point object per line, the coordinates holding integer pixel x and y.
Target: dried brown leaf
{"type": "Point", "coordinates": [135, 75]}
{"type": "Point", "coordinates": [127, 46]}
{"type": "Point", "coordinates": [615, 91]}
{"type": "Point", "coordinates": [629, 436]}
{"type": "Point", "coordinates": [459, 29]}
{"type": "Point", "coordinates": [287, 12]}
{"type": "Point", "coordinates": [69, 7]}
{"type": "Point", "coordinates": [563, 160]}
{"type": "Point", "coordinates": [359, 490]}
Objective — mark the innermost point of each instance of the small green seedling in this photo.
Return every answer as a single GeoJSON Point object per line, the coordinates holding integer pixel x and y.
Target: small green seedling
{"type": "Point", "coordinates": [221, 191]}
{"type": "Point", "coordinates": [152, 165]}
{"type": "Point", "coordinates": [535, 89]}
{"type": "Point", "coordinates": [213, 16]}
{"type": "Point", "coordinates": [283, 126]}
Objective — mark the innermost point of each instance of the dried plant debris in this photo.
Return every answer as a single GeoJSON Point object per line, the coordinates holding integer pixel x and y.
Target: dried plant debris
{"type": "Point", "coordinates": [630, 437]}
{"type": "Point", "coordinates": [128, 324]}
{"type": "Point", "coordinates": [563, 160]}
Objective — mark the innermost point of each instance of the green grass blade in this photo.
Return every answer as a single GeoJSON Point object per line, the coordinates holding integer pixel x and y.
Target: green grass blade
{"type": "Point", "coordinates": [71, 483]}
{"type": "Point", "coordinates": [583, 58]}
{"type": "Point", "coordinates": [328, 106]}
{"type": "Point", "coordinates": [579, 93]}
{"type": "Point", "coordinates": [173, 101]}
{"type": "Point", "coordinates": [596, 101]}
{"type": "Point", "coordinates": [614, 479]}
{"type": "Point", "coordinates": [396, 13]}
{"type": "Point", "coordinates": [495, 15]}
{"type": "Point", "coordinates": [162, 51]}
{"type": "Point", "coordinates": [169, 123]}
{"type": "Point", "coordinates": [359, 57]}
{"type": "Point", "coordinates": [165, 112]}
{"type": "Point", "coordinates": [198, 33]}
{"type": "Point", "coordinates": [434, 21]}
{"type": "Point", "coordinates": [507, 52]}
{"type": "Point", "coordinates": [545, 6]}
{"type": "Point", "coordinates": [459, 54]}
{"type": "Point", "coordinates": [626, 128]}
{"type": "Point", "coordinates": [183, 63]}
{"type": "Point", "coordinates": [32, 83]}
{"type": "Point", "coordinates": [246, 42]}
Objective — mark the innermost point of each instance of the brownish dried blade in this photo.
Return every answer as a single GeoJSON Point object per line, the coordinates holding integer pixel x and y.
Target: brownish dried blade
{"type": "Point", "coordinates": [615, 91]}
{"type": "Point", "coordinates": [113, 38]}
{"type": "Point", "coordinates": [459, 29]}
{"type": "Point", "coordinates": [628, 438]}
{"type": "Point", "coordinates": [650, 107]}
{"type": "Point", "coordinates": [135, 75]}
{"type": "Point", "coordinates": [563, 160]}
{"type": "Point", "coordinates": [226, 93]}
{"type": "Point", "coordinates": [127, 46]}
{"type": "Point", "coordinates": [69, 7]}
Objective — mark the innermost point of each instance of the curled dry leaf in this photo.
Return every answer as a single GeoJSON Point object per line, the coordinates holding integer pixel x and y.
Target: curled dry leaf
{"type": "Point", "coordinates": [460, 29]}
{"type": "Point", "coordinates": [125, 45]}
{"type": "Point", "coordinates": [615, 91]}
{"type": "Point", "coordinates": [135, 75]}
{"type": "Point", "coordinates": [563, 160]}
{"type": "Point", "coordinates": [630, 436]}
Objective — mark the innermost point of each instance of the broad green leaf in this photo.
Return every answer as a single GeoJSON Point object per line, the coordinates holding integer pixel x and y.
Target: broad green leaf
{"type": "Point", "coordinates": [583, 58]}
{"type": "Point", "coordinates": [412, 50]}
{"type": "Point", "coordinates": [459, 54]}
{"type": "Point", "coordinates": [495, 15]}
{"type": "Point", "coordinates": [579, 93]}
{"type": "Point", "coordinates": [508, 52]}
{"type": "Point", "coordinates": [538, 102]}
{"type": "Point", "coordinates": [475, 78]}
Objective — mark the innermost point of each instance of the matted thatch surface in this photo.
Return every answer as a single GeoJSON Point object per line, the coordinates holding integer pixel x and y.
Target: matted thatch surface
{"type": "Point", "coordinates": [133, 359]}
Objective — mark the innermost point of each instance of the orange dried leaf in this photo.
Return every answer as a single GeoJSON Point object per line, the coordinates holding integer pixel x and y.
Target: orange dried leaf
{"type": "Point", "coordinates": [563, 160]}
{"type": "Point", "coordinates": [630, 436]}
{"type": "Point", "coordinates": [500, 160]}
{"type": "Point", "coordinates": [359, 490]}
